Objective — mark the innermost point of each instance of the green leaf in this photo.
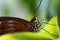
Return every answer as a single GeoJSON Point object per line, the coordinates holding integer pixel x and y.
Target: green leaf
{"type": "Point", "coordinates": [52, 29]}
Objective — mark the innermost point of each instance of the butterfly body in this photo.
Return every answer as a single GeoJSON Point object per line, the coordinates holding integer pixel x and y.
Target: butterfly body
{"type": "Point", "coordinates": [12, 24]}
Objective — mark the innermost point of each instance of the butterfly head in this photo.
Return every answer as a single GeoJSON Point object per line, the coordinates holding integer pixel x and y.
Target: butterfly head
{"type": "Point", "coordinates": [34, 24]}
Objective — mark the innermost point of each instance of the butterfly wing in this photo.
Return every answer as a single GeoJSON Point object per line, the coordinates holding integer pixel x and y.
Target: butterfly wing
{"type": "Point", "coordinates": [12, 24]}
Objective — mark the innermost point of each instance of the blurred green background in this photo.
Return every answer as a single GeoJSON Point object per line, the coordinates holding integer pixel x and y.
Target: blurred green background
{"type": "Point", "coordinates": [25, 9]}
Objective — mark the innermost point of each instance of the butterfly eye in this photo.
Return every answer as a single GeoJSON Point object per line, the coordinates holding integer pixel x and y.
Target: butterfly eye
{"type": "Point", "coordinates": [33, 25]}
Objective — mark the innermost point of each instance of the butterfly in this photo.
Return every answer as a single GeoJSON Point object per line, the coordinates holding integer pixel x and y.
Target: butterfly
{"type": "Point", "coordinates": [13, 24]}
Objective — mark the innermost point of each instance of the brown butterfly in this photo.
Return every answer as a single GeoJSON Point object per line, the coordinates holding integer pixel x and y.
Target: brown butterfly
{"type": "Point", "coordinates": [12, 24]}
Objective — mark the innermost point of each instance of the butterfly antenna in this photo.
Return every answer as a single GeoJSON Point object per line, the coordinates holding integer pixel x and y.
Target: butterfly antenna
{"type": "Point", "coordinates": [38, 6]}
{"type": "Point", "coordinates": [36, 10]}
